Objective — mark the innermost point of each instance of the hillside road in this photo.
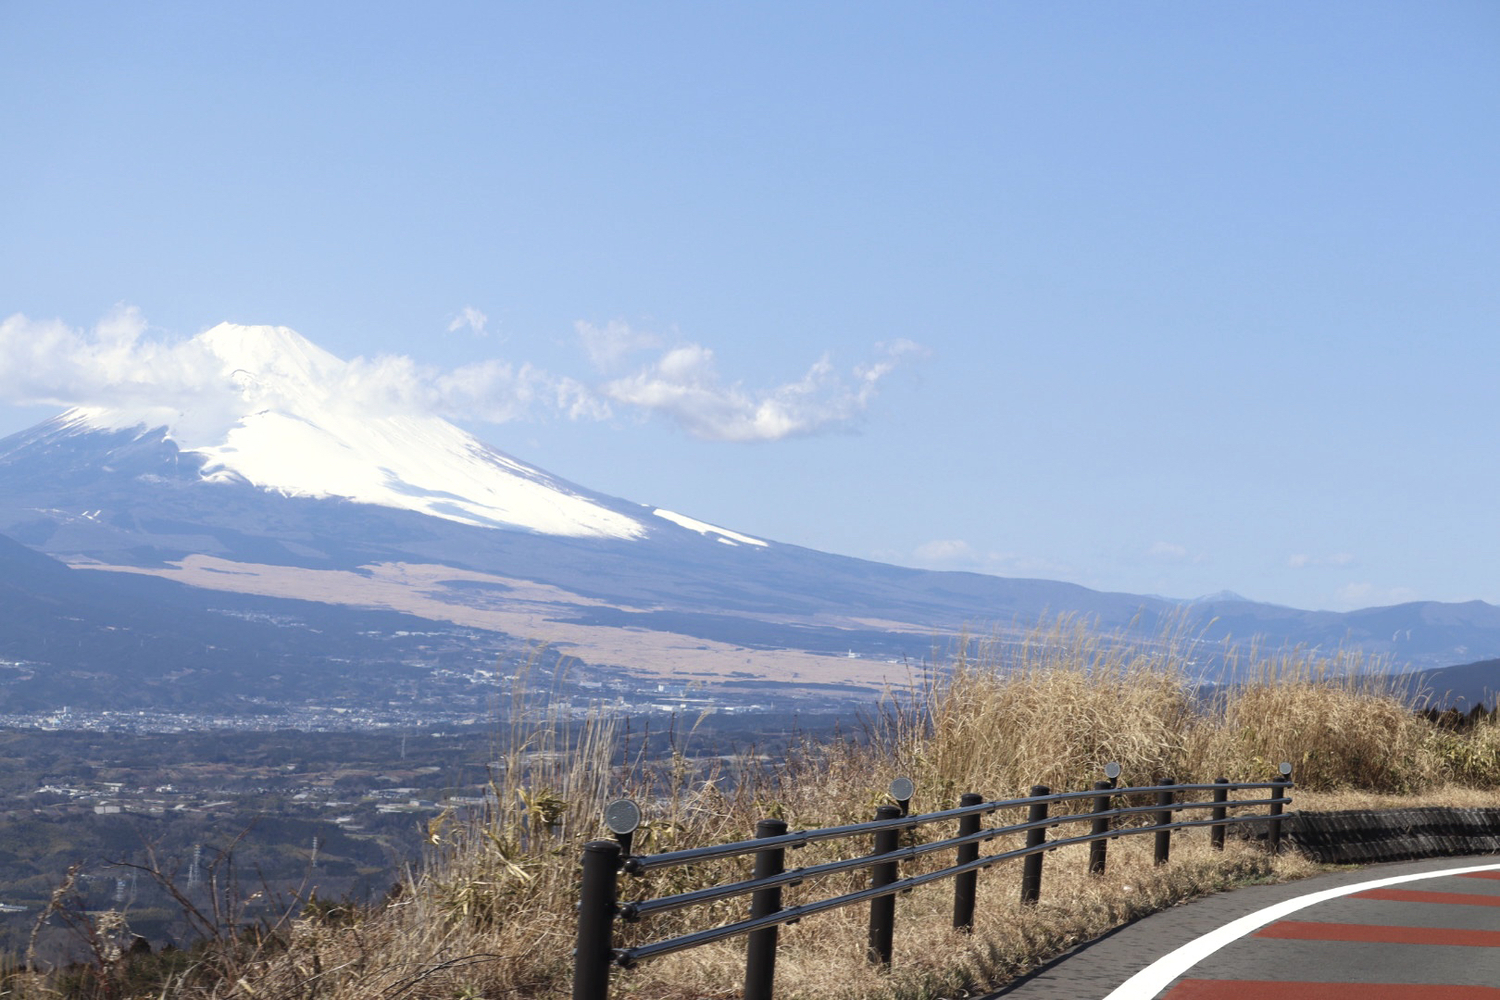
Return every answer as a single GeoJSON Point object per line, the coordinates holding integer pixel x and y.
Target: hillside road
{"type": "Point", "coordinates": [1417, 930]}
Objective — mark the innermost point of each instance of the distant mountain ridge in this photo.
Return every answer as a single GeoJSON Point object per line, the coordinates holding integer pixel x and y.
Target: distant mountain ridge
{"type": "Point", "coordinates": [1462, 686]}
{"type": "Point", "coordinates": [291, 477]}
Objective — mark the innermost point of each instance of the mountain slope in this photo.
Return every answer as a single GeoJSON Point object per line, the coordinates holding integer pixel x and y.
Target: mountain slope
{"type": "Point", "coordinates": [103, 640]}
{"type": "Point", "coordinates": [1462, 686]}
{"type": "Point", "coordinates": [277, 469]}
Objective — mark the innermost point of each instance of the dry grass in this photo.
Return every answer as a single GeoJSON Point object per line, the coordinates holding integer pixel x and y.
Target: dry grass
{"type": "Point", "coordinates": [491, 912]}
{"type": "Point", "coordinates": [1460, 796]}
{"type": "Point", "coordinates": [1340, 722]}
{"type": "Point", "coordinates": [1050, 711]}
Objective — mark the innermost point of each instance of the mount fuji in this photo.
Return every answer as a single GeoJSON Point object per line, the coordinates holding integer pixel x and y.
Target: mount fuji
{"type": "Point", "coordinates": [256, 464]}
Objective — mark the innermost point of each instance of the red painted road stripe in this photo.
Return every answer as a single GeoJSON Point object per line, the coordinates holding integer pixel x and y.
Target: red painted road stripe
{"type": "Point", "coordinates": [1252, 989]}
{"type": "Point", "coordinates": [1419, 896]}
{"type": "Point", "coordinates": [1308, 930]}
{"type": "Point", "coordinates": [1480, 875]}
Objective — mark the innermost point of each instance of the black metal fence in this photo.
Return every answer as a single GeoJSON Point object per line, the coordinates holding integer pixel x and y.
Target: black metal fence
{"type": "Point", "coordinates": [604, 861]}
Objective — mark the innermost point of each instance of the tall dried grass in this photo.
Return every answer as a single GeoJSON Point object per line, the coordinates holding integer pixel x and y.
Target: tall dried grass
{"type": "Point", "coordinates": [1050, 710]}
{"type": "Point", "coordinates": [1341, 721]}
{"type": "Point", "coordinates": [491, 913]}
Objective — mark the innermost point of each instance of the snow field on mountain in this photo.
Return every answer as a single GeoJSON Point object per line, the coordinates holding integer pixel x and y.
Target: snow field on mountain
{"type": "Point", "coordinates": [298, 421]}
{"type": "Point", "coordinates": [704, 528]}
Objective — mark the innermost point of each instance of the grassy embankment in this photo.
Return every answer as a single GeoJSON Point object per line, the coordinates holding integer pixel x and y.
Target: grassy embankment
{"type": "Point", "coordinates": [491, 914]}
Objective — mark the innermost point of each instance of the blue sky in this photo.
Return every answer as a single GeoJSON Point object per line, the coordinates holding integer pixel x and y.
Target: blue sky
{"type": "Point", "coordinates": [1155, 297]}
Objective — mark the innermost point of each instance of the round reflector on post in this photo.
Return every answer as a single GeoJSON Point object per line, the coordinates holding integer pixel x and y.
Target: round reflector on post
{"type": "Point", "coordinates": [622, 817]}
{"type": "Point", "coordinates": [902, 790]}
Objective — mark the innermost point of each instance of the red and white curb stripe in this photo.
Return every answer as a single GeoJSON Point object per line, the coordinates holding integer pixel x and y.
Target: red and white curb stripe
{"type": "Point", "coordinates": [1156, 977]}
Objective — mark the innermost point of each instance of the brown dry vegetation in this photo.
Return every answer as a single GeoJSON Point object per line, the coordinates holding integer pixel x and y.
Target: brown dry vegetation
{"type": "Point", "coordinates": [491, 912]}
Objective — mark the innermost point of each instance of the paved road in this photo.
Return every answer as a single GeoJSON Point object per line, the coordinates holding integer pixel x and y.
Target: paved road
{"type": "Point", "coordinates": [1420, 930]}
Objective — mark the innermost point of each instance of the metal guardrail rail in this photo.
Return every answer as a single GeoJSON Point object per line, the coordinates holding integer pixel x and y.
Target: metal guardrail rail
{"type": "Point", "coordinates": [604, 861]}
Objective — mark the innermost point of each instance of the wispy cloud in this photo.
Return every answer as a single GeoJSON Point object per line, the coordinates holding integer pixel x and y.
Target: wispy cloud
{"type": "Point", "coordinates": [491, 391]}
{"type": "Point", "coordinates": [183, 384]}
{"type": "Point", "coordinates": [958, 554]}
{"type": "Point", "coordinates": [609, 345]}
{"type": "Point", "coordinates": [682, 383]}
{"type": "Point", "coordinates": [116, 364]}
{"type": "Point", "coordinates": [1368, 595]}
{"type": "Point", "coordinates": [469, 318]}
{"type": "Point", "coordinates": [1172, 553]}
{"type": "Point", "coordinates": [1302, 560]}
{"type": "Point", "coordinates": [944, 552]}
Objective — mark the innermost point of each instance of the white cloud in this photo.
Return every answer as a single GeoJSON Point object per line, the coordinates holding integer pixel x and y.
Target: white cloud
{"type": "Point", "coordinates": [1368, 595]}
{"type": "Point", "coordinates": [491, 391]}
{"type": "Point", "coordinates": [957, 554]}
{"type": "Point", "coordinates": [471, 318]}
{"type": "Point", "coordinates": [1174, 554]}
{"type": "Point", "coordinates": [48, 362]}
{"type": "Point", "coordinates": [116, 365]}
{"type": "Point", "coordinates": [1302, 560]}
{"type": "Point", "coordinates": [1167, 552]}
{"type": "Point", "coordinates": [683, 384]}
{"type": "Point", "coordinates": [181, 383]}
{"type": "Point", "coordinates": [498, 392]}
{"type": "Point", "coordinates": [608, 345]}
{"type": "Point", "coordinates": [944, 551]}
{"type": "Point", "coordinates": [893, 354]}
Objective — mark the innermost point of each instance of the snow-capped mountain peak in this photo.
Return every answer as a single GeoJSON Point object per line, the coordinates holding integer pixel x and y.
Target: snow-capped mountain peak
{"type": "Point", "coordinates": [265, 405]}
{"type": "Point", "coordinates": [272, 358]}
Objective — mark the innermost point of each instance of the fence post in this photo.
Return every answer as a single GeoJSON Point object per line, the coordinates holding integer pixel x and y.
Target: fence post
{"type": "Point", "coordinates": [760, 949]}
{"type": "Point", "coordinates": [1164, 818]}
{"type": "Point", "coordinates": [883, 908]}
{"type": "Point", "coordinates": [1274, 827]}
{"type": "Point", "coordinates": [596, 920]}
{"type": "Point", "coordinates": [1216, 832]}
{"type": "Point", "coordinates": [1098, 849]}
{"type": "Point", "coordinates": [966, 886]}
{"type": "Point", "coordinates": [1031, 872]}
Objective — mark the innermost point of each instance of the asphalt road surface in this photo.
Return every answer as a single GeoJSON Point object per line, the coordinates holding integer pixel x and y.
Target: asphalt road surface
{"type": "Point", "coordinates": [1419, 930]}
